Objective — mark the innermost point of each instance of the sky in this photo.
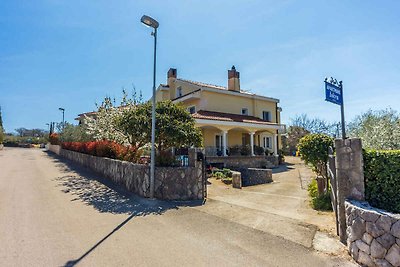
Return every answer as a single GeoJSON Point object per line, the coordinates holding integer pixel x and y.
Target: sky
{"type": "Point", "coordinates": [72, 54]}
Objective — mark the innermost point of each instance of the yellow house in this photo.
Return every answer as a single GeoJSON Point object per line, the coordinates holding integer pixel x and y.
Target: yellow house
{"type": "Point", "coordinates": [230, 118]}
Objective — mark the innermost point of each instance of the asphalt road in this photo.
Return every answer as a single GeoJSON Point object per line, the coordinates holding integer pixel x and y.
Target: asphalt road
{"type": "Point", "coordinates": [54, 213]}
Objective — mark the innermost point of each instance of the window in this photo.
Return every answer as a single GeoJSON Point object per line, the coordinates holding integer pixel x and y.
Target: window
{"type": "Point", "coordinates": [267, 142]}
{"type": "Point", "coordinates": [245, 111]}
{"type": "Point", "coordinates": [179, 91]}
{"type": "Point", "coordinates": [218, 141]}
{"type": "Point", "coordinates": [192, 109]}
{"type": "Point", "coordinates": [245, 139]}
{"type": "Point", "coordinates": [266, 115]}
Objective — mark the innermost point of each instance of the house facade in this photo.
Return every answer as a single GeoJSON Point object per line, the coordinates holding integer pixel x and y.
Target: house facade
{"type": "Point", "coordinates": [233, 121]}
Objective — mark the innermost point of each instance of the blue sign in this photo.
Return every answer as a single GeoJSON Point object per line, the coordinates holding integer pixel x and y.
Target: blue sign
{"type": "Point", "coordinates": [333, 94]}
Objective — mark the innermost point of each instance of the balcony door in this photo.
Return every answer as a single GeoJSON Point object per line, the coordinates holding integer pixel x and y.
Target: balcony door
{"type": "Point", "coordinates": [218, 141]}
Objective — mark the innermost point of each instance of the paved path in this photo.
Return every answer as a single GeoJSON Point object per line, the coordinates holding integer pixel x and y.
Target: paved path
{"type": "Point", "coordinates": [285, 197]}
{"type": "Point", "coordinates": [54, 213]}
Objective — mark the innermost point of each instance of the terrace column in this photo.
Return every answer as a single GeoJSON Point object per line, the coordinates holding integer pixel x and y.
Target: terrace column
{"type": "Point", "coordinates": [224, 142]}
{"type": "Point", "coordinates": [275, 145]}
{"type": "Point", "coordinates": [252, 143]}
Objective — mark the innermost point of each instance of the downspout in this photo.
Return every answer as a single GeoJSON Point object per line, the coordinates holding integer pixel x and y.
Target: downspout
{"type": "Point", "coordinates": [276, 119]}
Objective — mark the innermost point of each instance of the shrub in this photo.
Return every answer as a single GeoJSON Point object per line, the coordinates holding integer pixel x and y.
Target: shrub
{"type": "Point", "coordinates": [219, 175]}
{"type": "Point", "coordinates": [382, 179]}
{"type": "Point", "coordinates": [227, 172]}
{"type": "Point", "coordinates": [245, 150]}
{"type": "Point", "coordinates": [166, 159]}
{"type": "Point", "coordinates": [104, 149]}
{"type": "Point", "coordinates": [54, 139]}
{"type": "Point", "coordinates": [234, 150]}
{"type": "Point", "coordinates": [319, 202]}
{"type": "Point", "coordinates": [227, 180]}
{"type": "Point", "coordinates": [258, 150]}
{"type": "Point", "coordinates": [313, 150]}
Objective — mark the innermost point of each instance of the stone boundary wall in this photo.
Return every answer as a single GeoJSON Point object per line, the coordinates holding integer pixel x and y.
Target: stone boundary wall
{"type": "Point", "coordinates": [254, 176]}
{"type": "Point", "coordinates": [171, 183]}
{"type": "Point", "coordinates": [54, 148]}
{"type": "Point", "coordinates": [373, 235]}
{"type": "Point", "coordinates": [245, 161]}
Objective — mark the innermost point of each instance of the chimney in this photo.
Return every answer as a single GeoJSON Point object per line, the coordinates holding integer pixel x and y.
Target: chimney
{"type": "Point", "coordinates": [172, 73]}
{"type": "Point", "coordinates": [171, 76]}
{"type": "Point", "coordinates": [233, 80]}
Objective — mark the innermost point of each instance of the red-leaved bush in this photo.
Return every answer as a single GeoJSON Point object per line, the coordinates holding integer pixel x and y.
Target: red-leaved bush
{"type": "Point", "coordinates": [104, 148]}
{"type": "Point", "coordinates": [54, 139]}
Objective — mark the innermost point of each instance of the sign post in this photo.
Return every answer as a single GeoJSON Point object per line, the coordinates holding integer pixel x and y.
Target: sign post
{"type": "Point", "coordinates": [334, 94]}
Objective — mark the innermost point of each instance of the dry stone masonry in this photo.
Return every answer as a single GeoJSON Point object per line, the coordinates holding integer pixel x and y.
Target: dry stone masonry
{"type": "Point", "coordinates": [171, 183]}
{"type": "Point", "coordinates": [373, 235]}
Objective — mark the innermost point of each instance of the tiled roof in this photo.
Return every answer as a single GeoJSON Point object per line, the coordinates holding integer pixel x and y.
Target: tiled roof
{"type": "Point", "coordinates": [220, 116]}
{"type": "Point", "coordinates": [204, 84]}
{"type": "Point", "coordinates": [212, 86]}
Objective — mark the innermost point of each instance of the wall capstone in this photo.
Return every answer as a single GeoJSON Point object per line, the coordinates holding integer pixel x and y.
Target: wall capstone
{"type": "Point", "coordinates": [372, 234]}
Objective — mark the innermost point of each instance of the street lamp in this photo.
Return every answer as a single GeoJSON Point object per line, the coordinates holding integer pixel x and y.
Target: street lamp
{"type": "Point", "coordinates": [63, 121]}
{"type": "Point", "coordinates": [150, 22]}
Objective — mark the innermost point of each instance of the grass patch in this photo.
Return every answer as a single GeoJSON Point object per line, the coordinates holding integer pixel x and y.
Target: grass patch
{"type": "Point", "coordinates": [317, 202]}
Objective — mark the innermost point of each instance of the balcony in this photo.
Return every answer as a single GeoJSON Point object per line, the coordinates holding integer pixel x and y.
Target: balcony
{"type": "Point", "coordinates": [238, 150]}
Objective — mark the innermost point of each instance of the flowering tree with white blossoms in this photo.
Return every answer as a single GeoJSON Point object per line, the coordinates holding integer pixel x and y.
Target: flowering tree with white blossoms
{"type": "Point", "coordinates": [104, 126]}
{"type": "Point", "coordinates": [377, 129]}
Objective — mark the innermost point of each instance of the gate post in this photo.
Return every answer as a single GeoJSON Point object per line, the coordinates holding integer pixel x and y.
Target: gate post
{"type": "Point", "coordinates": [350, 177]}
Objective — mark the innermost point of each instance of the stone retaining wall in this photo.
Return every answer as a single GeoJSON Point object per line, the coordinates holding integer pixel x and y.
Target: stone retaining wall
{"type": "Point", "coordinates": [233, 162]}
{"type": "Point", "coordinates": [254, 176]}
{"type": "Point", "coordinates": [373, 235]}
{"type": "Point", "coordinates": [171, 183]}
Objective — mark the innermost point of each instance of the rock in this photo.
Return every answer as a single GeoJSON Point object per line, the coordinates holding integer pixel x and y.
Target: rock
{"type": "Point", "coordinates": [354, 250]}
{"type": "Point", "coordinates": [396, 229]}
{"type": "Point", "coordinates": [363, 246]}
{"type": "Point", "coordinates": [369, 216]}
{"type": "Point", "coordinates": [386, 240]}
{"type": "Point", "coordinates": [373, 230]}
{"type": "Point", "coordinates": [393, 255]}
{"type": "Point", "coordinates": [382, 263]}
{"type": "Point", "coordinates": [357, 229]}
{"type": "Point", "coordinates": [367, 238]}
{"type": "Point", "coordinates": [365, 259]}
{"type": "Point", "coordinates": [398, 241]}
{"type": "Point", "coordinates": [350, 218]}
{"type": "Point", "coordinates": [384, 222]}
{"type": "Point", "coordinates": [349, 210]}
{"type": "Point", "coordinates": [377, 250]}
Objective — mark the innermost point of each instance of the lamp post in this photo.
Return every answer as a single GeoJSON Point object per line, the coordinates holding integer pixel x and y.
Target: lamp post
{"type": "Point", "coordinates": [63, 121]}
{"type": "Point", "coordinates": [150, 22]}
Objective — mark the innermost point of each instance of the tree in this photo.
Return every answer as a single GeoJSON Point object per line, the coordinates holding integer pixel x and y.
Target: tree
{"type": "Point", "coordinates": [175, 127]}
{"type": "Point", "coordinates": [314, 149]}
{"type": "Point", "coordinates": [294, 134]}
{"type": "Point", "coordinates": [1, 121]}
{"type": "Point", "coordinates": [1, 128]}
{"type": "Point", "coordinates": [1, 135]}
{"type": "Point", "coordinates": [314, 125]}
{"type": "Point", "coordinates": [377, 129]}
{"type": "Point", "coordinates": [75, 133]}
{"type": "Point", "coordinates": [104, 126]}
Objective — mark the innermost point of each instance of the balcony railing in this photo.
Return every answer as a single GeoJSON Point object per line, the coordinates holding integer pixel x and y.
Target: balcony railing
{"type": "Point", "coordinates": [238, 150]}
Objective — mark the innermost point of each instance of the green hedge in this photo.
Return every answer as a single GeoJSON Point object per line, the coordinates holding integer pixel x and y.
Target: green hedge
{"type": "Point", "coordinates": [382, 179]}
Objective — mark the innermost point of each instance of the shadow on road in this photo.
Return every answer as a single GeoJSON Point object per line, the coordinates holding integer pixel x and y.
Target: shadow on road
{"type": "Point", "coordinates": [105, 196]}
{"type": "Point", "coordinates": [283, 168]}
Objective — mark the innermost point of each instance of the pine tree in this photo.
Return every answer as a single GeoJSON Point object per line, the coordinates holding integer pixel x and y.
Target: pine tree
{"type": "Point", "coordinates": [1, 120]}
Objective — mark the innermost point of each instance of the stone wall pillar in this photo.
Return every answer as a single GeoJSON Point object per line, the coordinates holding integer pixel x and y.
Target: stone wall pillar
{"type": "Point", "coordinates": [193, 157]}
{"type": "Point", "coordinates": [349, 177]}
